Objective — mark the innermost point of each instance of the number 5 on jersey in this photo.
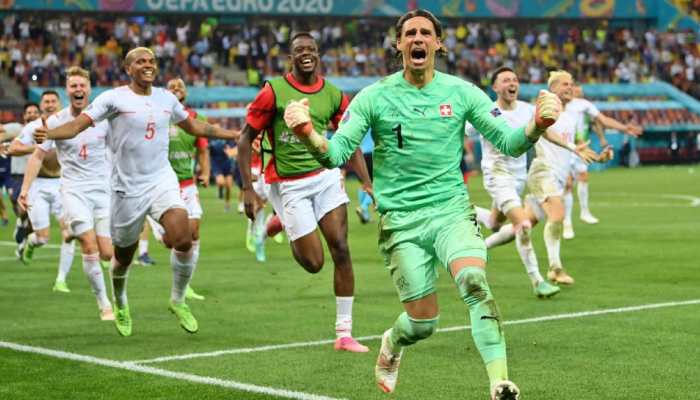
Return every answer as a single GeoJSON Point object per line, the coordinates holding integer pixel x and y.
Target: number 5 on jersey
{"type": "Point", "coordinates": [150, 130]}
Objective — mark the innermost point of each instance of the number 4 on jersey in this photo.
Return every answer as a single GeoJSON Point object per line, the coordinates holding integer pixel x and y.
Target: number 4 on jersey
{"type": "Point", "coordinates": [83, 153]}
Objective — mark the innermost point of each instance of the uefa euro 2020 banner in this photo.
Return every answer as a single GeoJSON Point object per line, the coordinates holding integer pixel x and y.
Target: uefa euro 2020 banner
{"type": "Point", "coordinates": [442, 8]}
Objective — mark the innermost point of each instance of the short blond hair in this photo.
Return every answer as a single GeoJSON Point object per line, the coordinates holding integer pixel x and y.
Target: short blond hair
{"type": "Point", "coordinates": [77, 71]}
{"type": "Point", "coordinates": [556, 76]}
{"type": "Point", "coordinates": [131, 54]}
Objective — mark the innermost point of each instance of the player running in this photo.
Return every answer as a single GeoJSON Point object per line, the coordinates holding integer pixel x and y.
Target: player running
{"type": "Point", "coordinates": [303, 193]}
{"type": "Point", "coordinates": [417, 117]}
{"type": "Point", "coordinates": [587, 115]}
{"type": "Point", "coordinates": [505, 177]}
{"type": "Point", "coordinates": [84, 185]}
{"type": "Point", "coordinates": [143, 182]}
{"type": "Point", "coordinates": [44, 195]}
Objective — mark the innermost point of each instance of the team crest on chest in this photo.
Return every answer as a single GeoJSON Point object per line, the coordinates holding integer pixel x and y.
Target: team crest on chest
{"type": "Point", "coordinates": [445, 110]}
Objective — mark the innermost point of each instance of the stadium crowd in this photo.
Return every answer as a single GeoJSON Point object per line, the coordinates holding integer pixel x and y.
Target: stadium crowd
{"type": "Point", "coordinates": [34, 48]}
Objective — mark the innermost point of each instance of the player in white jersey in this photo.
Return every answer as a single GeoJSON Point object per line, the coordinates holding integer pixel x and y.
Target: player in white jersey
{"type": "Point", "coordinates": [18, 164]}
{"type": "Point", "coordinates": [43, 195]}
{"type": "Point", "coordinates": [143, 182]}
{"type": "Point", "coordinates": [84, 188]}
{"type": "Point", "coordinates": [585, 111]}
{"type": "Point", "coordinates": [505, 177]}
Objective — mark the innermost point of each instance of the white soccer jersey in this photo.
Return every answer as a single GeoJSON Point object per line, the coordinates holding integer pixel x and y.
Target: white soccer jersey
{"type": "Point", "coordinates": [581, 108]}
{"type": "Point", "coordinates": [138, 135]}
{"type": "Point", "coordinates": [18, 163]}
{"type": "Point", "coordinates": [492, 160]}
{"type": "Point", "coordinates": [26, 137]}
{"type": "Point", "coordinates": [558, 158]}
{"type": "Point", "coordinates": [82, 158]}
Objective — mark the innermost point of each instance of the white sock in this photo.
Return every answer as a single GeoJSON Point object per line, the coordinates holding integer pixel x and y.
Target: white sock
{"type": "Point", "coordinates": [568, 206]}
{"type": "Point", "coordinates": [484, 216]}
{"type": "Point", "coordinates": [582, 190]}
{"type": "Point", "coordinates": [552, 240]}
{"type": "Point", "coordinates": [119, 274]}
{"type": "Point", "coordinates": [36, 241]}
{"type": "Point", "coordinates": [195, 253]}
{"type": "Point", "coordinates": [343, 316]}
{"type": "Point", "coordinates": [183, 267]}
{"type": "Point", "coordinates": [503, 236]}
{"type": "Point", "coordinates": [527, 253]}
{"type": "Point", "coordinates": [65, 261]}
{"type": "Point", "coordinates": [259, 228]}
{"type": "Point", "coordinates": [143, 247]}
{"type": "Point", "coordinates": [93, 272]}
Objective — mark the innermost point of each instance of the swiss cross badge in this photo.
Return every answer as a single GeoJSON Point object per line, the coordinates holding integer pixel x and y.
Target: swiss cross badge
{"type": "Point", "coordinates": [445, 110]}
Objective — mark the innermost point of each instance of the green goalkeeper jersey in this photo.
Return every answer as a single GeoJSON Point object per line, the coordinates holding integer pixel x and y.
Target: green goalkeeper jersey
{"type": "Point", "coordinates": [419, 136]}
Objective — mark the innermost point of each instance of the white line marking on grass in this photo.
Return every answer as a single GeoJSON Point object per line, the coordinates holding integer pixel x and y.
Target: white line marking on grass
{"type": "Point", "coordinates": [206, 380]}
{"type": "Point", "coordinates": [694, 200]}
{"type": "Point", "coordinates": [441, 330]}
{"type": "Point", "coordinates": [13, 244]}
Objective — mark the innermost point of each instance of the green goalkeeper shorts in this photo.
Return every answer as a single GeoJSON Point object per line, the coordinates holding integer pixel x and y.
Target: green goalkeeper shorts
{"type": "Point", "coordinates": [414, 243]}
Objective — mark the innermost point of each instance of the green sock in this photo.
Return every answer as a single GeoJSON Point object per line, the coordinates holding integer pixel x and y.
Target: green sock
{"type": "Point", "coordinates": [485, 319]}
{"type": "Point", "coordinates": [407, 331]}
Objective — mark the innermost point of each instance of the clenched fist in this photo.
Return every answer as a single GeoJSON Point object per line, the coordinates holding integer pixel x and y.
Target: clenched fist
{"type": "Point", "coordinates": [547, 109]}
{"type": "Point", "coordinates": [297, 117]}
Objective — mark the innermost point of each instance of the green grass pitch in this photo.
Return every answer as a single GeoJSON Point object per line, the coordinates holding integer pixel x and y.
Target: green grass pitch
{"type": "Point", "coordinates": [645, 251]}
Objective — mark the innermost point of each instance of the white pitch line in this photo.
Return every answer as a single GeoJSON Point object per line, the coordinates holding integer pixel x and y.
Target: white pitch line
{"type": "Point", "coordinates": [13, 244]}
{"type": "Point", "coordinates": [206, 380]}
{"type": "Point", "coordinates": [441, 330]}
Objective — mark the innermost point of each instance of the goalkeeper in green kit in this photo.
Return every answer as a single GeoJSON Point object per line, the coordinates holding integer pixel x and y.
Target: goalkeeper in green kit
{"type": "Point", "coordinates": [417, 117]}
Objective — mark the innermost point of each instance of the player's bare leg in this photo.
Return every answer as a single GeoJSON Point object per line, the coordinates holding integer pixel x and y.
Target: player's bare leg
{"type": "Point", "coordinates": [177, 231]}
{"type": "Point", "coordinates": [553, 207]}
{"type": "Point", "coordinates": [334, 226]}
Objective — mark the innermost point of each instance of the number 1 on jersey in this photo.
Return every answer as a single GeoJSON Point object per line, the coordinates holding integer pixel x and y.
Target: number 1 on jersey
{"type": "Point", "coordinates": [397, 130]}
{"type": "Point", "coordinates": [150, 130]}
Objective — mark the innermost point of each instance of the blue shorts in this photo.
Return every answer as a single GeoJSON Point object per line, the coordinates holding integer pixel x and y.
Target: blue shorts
{"type": "Point", "coordinates": [15, 187]}
{"type": "Point", "coordinates": [5, 180]}
{"type": "Point", "coordinates": [221, 167]}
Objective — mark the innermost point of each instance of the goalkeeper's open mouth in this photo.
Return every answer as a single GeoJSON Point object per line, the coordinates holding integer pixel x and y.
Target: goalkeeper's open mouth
{"type": "Point", "coordinates": [419, 56]}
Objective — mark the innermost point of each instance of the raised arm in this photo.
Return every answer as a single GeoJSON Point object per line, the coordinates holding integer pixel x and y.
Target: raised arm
{"type": "Point", "coordinates": [17, 148]}
{"type": "Point", "coordinates": [68, 130]}
{"type": "Point", "coordinates": [582, 150]}
{"type": "Point", "coordinates": [336, 151]}
{"type": "Point", "coordinates": [196, 127]}
{"type": "Point", "coordinates": [33, 167]}
{"type": "Point", "coordinates": [611, 123]}
{"type": "Point", "coordinates": [509, 141]}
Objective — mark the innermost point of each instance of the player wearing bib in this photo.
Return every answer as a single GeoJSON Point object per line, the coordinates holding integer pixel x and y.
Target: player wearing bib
{"type": "Point", "coordinates": [587, 114]}
{"type": "Point", "coordinates": [143, 182]}
{"type": "Point", "coordinates": [304, 194]}
{"type": "Point", "coordinates": [43, 195]}
{"type": "Point", "coordinates": [417, 117]}
{"type": "Point", "coordinates": [182, 150]}
{"type": "Point", "coordinates": [84, 185]}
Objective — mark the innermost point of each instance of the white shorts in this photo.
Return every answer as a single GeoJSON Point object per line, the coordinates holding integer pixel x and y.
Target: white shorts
{"type": "Point", "coordinates": [261, 188]}
{"type": "Point", "coordinates": [578, 166]}
{"type": "Point", "coordinates": [543, 181]}
{"type": "Point", "coordinates": [190, 195]}
{"type": "Point", "coordinates": [505, 189]}
{"type": "Point", "coordinates": [44, 199]}
{"type": "Point", "coordinates": [129, 213]}
{"type": "Point", "coordinates": [301, 203]}
{"type": "Point", "coordinates": [86, 208]}
{"type": "Point", "coordinates": [536, 207]}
